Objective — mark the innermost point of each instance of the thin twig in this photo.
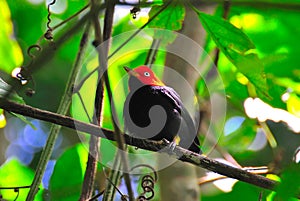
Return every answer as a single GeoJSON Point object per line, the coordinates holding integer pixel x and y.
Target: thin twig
{"type": "Point", "coordinates": [91, 169]}
{"type": "Point", "coordinates": [151, 56]}
{"type": "Point", "coordinates": [182, 154]}
{"type": "Point", "coordinates": [123, 44]}
{"type": "Point", "coordinates": [94, 143]}
{"type": "Point", "coordinates": [140, 29]}
{"type": "Point", "coordinates": [212, 72]}
{"type": "Point", "coordinates": [108, 24]}
{"type": "Point", "coordinates": [84, 106]}
{"type": "Point", "coordinates": [97, 196]}
{"type": "Point", "coordinates": [113, 179]}
{"type": "Point", "coordinates": [260, 196]}
{"type": "Point", "coordinates": [256, 170]}
{"type": "Point", "coordinates": [70, 18]}
{"type": "Point", "coordinates": [12, 188]}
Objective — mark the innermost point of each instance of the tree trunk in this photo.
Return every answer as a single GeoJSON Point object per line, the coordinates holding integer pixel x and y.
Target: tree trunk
{"type": "Point", "coordinates": [179, 181]}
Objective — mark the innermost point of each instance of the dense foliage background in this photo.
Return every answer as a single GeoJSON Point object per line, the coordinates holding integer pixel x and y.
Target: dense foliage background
{"type": "Point", "coordinates": [258, 62]}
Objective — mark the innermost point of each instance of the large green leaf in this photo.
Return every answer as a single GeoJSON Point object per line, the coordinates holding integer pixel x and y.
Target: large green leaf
{"type": "Point", "coordinates": [275, 35]}
{"type": "Point", "coordinates": [225, 34]}
{"type": "Point", "coordinates": [170, 18]}
{"type": "Point", "coordinates": [14, 174]}
{"type": "Point", "coordinates": [67, 177]}
{"type": "Point", "coordinates": [289, 187]}
{"type": "Point", "coordinates": [237, 47]}
{"type": "Point", "coordinates": [10, 53]}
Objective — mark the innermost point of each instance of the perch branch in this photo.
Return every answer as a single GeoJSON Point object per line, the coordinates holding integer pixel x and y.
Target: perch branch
{"type": "Point", "coordinates": [182, 154]}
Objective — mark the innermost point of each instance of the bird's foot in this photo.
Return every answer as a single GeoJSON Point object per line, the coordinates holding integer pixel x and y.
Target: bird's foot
{"type": "Point", "coordinates": [171, 146]}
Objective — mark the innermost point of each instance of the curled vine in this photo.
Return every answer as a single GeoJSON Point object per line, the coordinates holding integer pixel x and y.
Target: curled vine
{"type": "Point", "coordinates": [147, 183]}
{"type": "Point", "coordinates": [48, 35]}
{"type": "Point", "coordinates": [22, 73]}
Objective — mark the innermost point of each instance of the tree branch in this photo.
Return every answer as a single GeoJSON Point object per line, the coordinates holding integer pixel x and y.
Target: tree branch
{"type": "Point", "coordinates": [179, 153]}
{"type": "Point", "coordinates": [103, 58]}
{"type": "Point", "coordinates": [94, 142]}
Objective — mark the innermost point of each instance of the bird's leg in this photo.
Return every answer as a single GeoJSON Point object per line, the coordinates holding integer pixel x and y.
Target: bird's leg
{"type": "Point", "coordinates": [171, 145]}
{"type": "Point", "coordinates": [131, 140]}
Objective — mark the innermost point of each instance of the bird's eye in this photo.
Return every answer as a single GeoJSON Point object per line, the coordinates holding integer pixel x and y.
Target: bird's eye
{"type": "Point", "coordinates": [147, 74]}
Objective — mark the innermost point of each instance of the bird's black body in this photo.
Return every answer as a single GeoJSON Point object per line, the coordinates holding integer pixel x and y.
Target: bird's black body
{"type": "Point", "coordinates": [156, 113]}
{"type": "Point", "coordinates": [138, 105]}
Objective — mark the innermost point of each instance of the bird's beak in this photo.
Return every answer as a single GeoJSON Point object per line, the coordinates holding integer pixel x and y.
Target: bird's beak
{"type": "Point", "coordinates": [127, 69]}
{"type": "Point", "coordinates": [130, 71]}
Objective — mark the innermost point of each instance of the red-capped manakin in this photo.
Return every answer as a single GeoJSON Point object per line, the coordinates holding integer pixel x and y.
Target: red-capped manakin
{"type": "Point", "coordinates": [154, 111]}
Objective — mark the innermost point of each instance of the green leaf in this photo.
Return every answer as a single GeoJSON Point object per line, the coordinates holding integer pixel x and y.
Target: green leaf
{"type": "Point", "coordinates": [14, 174]}
{"type": "Point", "coordinates": [170, 18]}
{"type": "Point", "coordinates": [225, 34]}
{"type": "Point", "coordinates": [252, 67]}
{"type": "Point", "coordinates": [24, 119]}
{"type": "Point", "coordinates": [10, 53]}
{"type": "Point", "coordinates": [237, 47]}
{"type": "Point", "coordinates": [290, 182]}
{"type": "Point", "coordinates": [67, 177]}
{"type": "Point", "coordinates": [4, 88]}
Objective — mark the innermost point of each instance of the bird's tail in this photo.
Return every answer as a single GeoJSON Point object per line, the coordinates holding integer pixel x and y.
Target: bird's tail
{"type": "Point", "coordinates": [188, 133]}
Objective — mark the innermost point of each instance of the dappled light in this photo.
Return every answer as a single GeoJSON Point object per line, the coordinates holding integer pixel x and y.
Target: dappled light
{"type": "Point", "coordinates": [149, 100]}
{"type": "Point", "coordinates": [256, 108]}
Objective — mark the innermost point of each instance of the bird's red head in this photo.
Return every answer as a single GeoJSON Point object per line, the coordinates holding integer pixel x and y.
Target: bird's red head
{"type": "Point", "coordinates": [145, 75]}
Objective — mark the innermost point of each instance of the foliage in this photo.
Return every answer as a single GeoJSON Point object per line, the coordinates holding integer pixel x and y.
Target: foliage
{"type": "Point", "coordinates": [237, 47]}
{"type": "Point", "coordinates": [72, 159]}
{"type": "Point", "coordinates": [9, 47]}
{"type": "Point", "coordinates": [15, 174]}
{"type": "Point", "coordinates": [258, 58]}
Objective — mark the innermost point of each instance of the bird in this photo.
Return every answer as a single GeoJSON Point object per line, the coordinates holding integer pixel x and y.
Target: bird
{"type": "Point", "coordinates": [155, 111]}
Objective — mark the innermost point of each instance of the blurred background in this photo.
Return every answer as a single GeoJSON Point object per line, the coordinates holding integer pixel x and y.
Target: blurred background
{"type": "Point", "coordinates": [257, 132]}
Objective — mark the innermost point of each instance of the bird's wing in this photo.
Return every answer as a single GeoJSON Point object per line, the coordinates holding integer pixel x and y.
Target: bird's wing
{"type": "Point", "coordinates": [188, 131]}
{"type": "Point", "coordinates": [172, 94]}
